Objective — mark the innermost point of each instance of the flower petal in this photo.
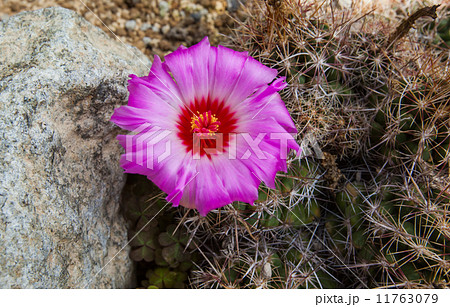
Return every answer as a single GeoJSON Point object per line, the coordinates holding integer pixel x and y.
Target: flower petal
{"type": "Point", "coordinates": [254, 75]}
{"type": "Point", "coordinates": [189, 67]}
{"type": "Point", "coordinates": [144, 107]}
{"type": "Point", "coordinates": [233, 173]}
{"type": "Point", "coordinates": [234, 75]}
{"type": "Point", "coordinates": [158, 157]}
{"type": "Point", "coordinates": [206, 191]}
{"type": "Point", "coordinates": [162, 84]}
{"type": "Point", "coordinates": [267, 103]}
{"type": "Point", "coordinates": [264, 148]}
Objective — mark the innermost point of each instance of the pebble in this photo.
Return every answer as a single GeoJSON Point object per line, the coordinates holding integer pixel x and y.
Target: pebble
{"type": "Point", "coordinates": [163, 8]}
{"type": "Point", "coordinates": [147, 40]}
{"type": "Point", "coordinates": [165, 29]}
{"type": "Point", "coordinates": [176, 14]}
{"type": "Point", "coordinates": [177, 33]}
{"type": "Point", "coordinates": [130, 25]}
{"type": "Point", "coordinates": [165, 45]}
{"type": "Point", "coordinates": [155, 42]}
{"type": "Point", "coordinates": [156, 27]}
{"type": "Point", "coordinates": [145, 26]}
{"type": "Point", "coordinates": [196, 16]}
{"type": "Point", "coordinates": [219, 6]}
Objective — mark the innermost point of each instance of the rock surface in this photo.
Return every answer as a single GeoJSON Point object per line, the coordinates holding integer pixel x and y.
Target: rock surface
{"type": "Point", "coordinates": [60, 179]}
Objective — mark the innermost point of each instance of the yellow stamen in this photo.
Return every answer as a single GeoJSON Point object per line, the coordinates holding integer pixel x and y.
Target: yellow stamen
{"type": "Point", "coordinates": [205, 123]}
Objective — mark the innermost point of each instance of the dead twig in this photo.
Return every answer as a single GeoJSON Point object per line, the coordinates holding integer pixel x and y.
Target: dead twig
{"type": "Point", "coordinates": [408, 23]}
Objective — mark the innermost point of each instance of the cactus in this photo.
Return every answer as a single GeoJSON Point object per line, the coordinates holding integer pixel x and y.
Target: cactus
{"type": "Point", "coordinates": [371, 211]}
{"type": "Point", "coordinates": [337, 79]}
{"type": "Point", "coordinates": [331, 74]}
{"type": "Point", "coordinates": [404, 205]}
{"type": "Point", "coordinates": [375, 94]}
{"type": "Point", "coordinates": [164, 257]}
{"type": "Point", "coordinates": [411, 226]}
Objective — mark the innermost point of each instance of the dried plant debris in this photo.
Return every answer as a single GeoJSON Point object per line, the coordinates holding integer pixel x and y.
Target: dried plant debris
{"type": "Point", "coordinates": [408, 23]}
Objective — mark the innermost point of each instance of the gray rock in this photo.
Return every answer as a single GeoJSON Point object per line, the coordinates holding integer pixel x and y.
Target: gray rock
{"type": "Point", "coordinates": [60, 180]}
{"type": "Point", "coordinates": [130, 25]}
{"type": "Point", "coordinates": [3, 17]}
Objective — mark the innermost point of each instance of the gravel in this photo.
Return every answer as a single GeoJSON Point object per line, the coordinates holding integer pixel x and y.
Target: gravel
{"type": "Point", "coordinates": [132, 20]}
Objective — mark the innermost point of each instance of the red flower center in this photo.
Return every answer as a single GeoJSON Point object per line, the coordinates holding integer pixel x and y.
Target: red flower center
{"type": "Point", "coordinates": [204, 126]}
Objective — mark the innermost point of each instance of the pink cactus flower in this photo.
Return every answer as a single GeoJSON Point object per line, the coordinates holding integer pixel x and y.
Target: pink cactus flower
{"type": "Point", "coordinates": [209, 127]}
